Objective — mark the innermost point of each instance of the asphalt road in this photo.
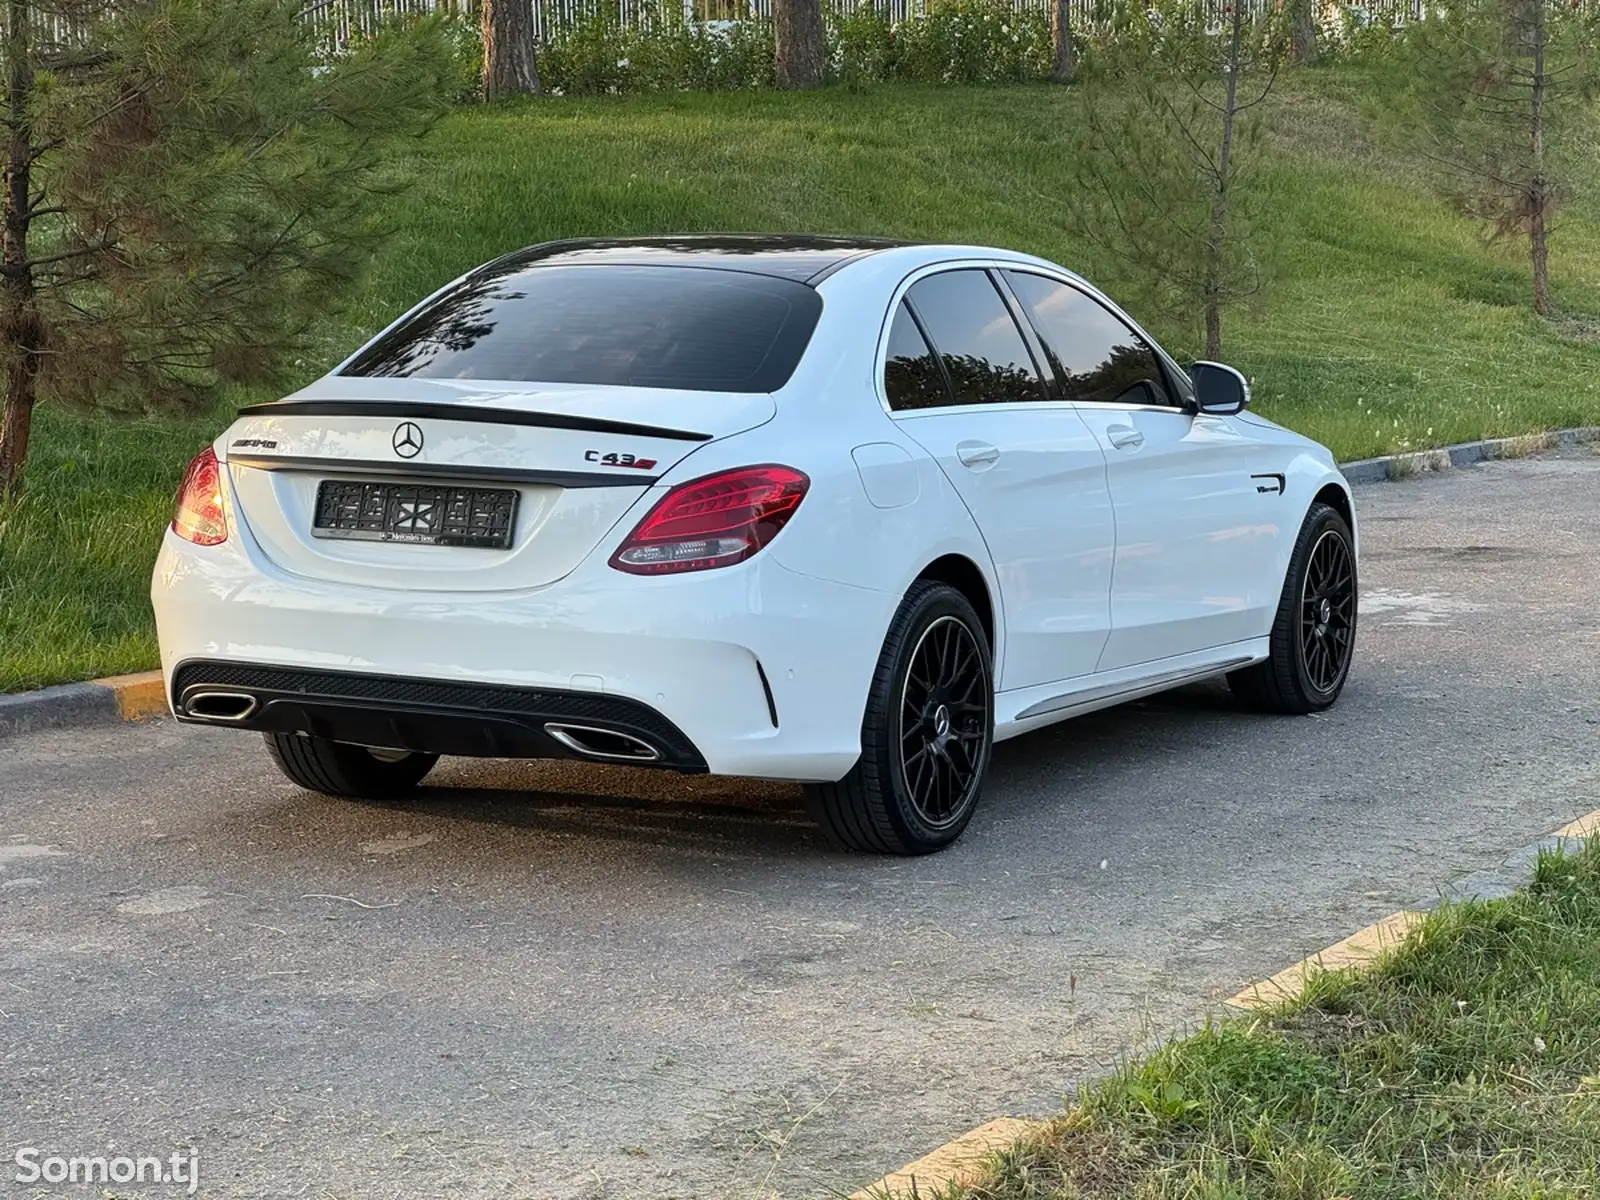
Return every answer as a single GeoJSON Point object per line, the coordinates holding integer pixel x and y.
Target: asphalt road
{"type": "Point", "coordinates": [545, 981]}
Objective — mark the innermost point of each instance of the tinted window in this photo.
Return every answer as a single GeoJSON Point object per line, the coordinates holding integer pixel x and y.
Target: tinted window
{"type": "Point", "coordinates": [631, 326]}
{"type": "Point", "coordinates": [911, 377]}
{"type": "Point", "coordinates": [1095, 354]}
{"type": "Point", "coordinates": [979, 343]}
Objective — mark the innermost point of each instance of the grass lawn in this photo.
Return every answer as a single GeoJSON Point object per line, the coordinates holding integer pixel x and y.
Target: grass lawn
{"type": "Point", "coordinates": [1467, 1066]}
{"type": "Point", "coordinates": [1390, 324]}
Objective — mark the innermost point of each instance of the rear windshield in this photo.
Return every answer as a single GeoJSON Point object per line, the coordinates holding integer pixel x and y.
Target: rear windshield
{"type": "Point", "coordinates": [631, 326]}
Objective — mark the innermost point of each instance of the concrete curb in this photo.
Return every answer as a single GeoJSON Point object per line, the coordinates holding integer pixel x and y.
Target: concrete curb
{"type": "Point", "coordinates": [1399, 466]}
{"type": "Point", "coordinates": [960, 1161]}
{"type": "Point", "coordinates": [964, 1160]}
{"type": "Point", "coordinates": [1365, 946]}
{"type": "Point", "coordinates": [118, 697]}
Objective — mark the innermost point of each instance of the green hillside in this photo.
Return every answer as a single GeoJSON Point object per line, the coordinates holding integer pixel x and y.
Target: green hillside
{"type": "Point", "coordinates": [1390, 323]}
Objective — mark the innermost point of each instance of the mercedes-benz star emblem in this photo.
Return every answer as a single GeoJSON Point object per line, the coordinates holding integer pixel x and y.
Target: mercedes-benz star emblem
{"type": "Point", "coordinates": [407, 440]}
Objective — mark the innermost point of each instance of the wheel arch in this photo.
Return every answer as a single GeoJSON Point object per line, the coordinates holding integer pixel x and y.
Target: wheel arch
{"type": "Point", "coordinates": [960, 572]}
{"type": "Point", "coordinates": [1337, 497]}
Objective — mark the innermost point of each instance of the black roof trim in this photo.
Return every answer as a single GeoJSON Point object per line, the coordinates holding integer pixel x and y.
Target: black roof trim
{"type": "Point", "coordinates": [839, 264]}
{"type": "Point", "coordinates": [415, 409]}
{"type": "Point", "coordinates": [801, 257]}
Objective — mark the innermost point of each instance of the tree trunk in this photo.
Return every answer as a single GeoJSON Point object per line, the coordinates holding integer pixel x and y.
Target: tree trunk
{"type": "Point", "coordinates": [1303, 30]}
{"type": "Point", "coordinates": [797, 30]}
{"type": "Point", "coordinates": [1066, 48]}
{"type": "Point", "coordinates": [21, 331]}
{"type": "Point", "coordinates": [510, 67]}
{"type": "Point", "coordinates": [1539, 245]}
{"type": "Point", "coordinates": [21, 334]}
{"type": "Point", "coordinates": [1538, 199]}
{"type": "Point", "coordinates": [1217, 242]}
{"type": "Point", "coordinates": [1213, 325]}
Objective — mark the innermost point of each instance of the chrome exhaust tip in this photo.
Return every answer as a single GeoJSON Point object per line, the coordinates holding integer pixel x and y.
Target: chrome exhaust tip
{"type": "Point", "coordinates": [227, 707]}
{"type": "Point", "coordinates": [604, 744]}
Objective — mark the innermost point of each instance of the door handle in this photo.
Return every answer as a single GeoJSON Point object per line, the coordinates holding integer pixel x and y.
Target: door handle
{"type": "Point", "coordinates": [1124, 437]}
{"type": "Point", "coordinates": [977, 454]}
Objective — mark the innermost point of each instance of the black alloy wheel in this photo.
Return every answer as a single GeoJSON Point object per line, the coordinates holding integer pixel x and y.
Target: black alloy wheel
{"type": "Point", "coordinates": [1328, 612]}
{"type": "Point", "coordinates": [944, 721]}
{"type": "Point", "coordinates": [926, 734]}
{"type": "Point", "coordinates": [1313, 638]}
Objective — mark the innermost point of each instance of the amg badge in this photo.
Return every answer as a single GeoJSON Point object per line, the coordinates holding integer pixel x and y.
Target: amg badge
{"type": "Point", "coordinates": [619, 460]}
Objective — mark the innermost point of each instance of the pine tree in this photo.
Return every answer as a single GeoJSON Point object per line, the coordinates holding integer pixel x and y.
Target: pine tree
{"type": "Point", "coordinates": [189, 186]}
{"type": "Point", "coordinates": [1500, 92]}
{"type": "Point", "coordinates": [1165, 159]}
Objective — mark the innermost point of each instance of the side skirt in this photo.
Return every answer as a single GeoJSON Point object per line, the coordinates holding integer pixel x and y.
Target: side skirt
{"type": "Point", "coordinates": [1033, 708]}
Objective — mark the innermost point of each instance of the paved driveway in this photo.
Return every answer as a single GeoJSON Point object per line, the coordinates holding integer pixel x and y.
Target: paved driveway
{"type": "Point", "coordinates": [546, 981]}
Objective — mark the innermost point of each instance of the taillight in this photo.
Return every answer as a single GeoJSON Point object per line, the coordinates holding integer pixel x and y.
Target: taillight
{"type": "Point", "coordinates": [199, 518]}
{"type": "Point", "coordinates": [713, 522]}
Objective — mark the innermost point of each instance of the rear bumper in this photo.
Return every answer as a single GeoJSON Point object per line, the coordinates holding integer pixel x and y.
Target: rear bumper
{"type": "Point", "coordinates": [695, 666]}
{"type": "Point", "coordinates": [430, 716]}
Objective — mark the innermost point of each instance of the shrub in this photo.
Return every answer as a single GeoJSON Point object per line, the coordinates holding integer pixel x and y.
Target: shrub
{"type": "Point", "coordinates": [466, 53]}
{"type": "Point", "coordinates": [1359, 37]}
{"type": "Point", "coordinates": [861, 45]}
{"type": "Point", "coordinates": [973, 41]}
{"type": "Point", "coordinates": [956, 41]}
{"type": "Point", "coordinates": [599, 53]}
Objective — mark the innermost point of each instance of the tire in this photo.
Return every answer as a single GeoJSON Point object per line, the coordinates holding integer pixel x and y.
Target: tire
{"type": "Point", "coordinates": [340, 769]}
{"type": "Point", "coordinates": [1305, 669]}
{"type": "Point", "coordinates": [885, 805]}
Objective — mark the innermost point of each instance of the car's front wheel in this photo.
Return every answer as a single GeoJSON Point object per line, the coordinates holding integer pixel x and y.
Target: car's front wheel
{"type": "Point", "coordinates": [1314, 634]}
{"type": "Point", "coordinates": [926, 737]}
{"type": "Point", "coordinates": [340, 769]}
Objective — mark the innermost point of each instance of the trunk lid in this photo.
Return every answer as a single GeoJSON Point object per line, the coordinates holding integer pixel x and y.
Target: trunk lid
{"type": "Point", "coordinates": [577, 458]}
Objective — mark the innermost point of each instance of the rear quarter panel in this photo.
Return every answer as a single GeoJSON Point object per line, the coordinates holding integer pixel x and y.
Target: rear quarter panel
{"type": "Point", "coordinates": [828, 411]}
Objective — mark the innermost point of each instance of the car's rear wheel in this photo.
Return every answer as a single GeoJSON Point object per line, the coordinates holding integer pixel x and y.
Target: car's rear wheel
{"type": "Point", "coordinates": [1313, 636]}
{"type": "Point", "coordinates": [926, 737]}
{"type": "Point", "coordinates": [340, 769]}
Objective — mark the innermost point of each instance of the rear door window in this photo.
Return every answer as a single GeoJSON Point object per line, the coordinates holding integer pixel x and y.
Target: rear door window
{"type": "Point", "coordinates": [975, 337]}
{"type": "Point", "coordinates": [695, 328]}
{"type": "Point", "coordinates": [1094, 353]}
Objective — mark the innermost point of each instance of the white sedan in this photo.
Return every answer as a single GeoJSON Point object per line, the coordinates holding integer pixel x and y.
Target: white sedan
{"type": "Point", "coordinates": [834, 510]}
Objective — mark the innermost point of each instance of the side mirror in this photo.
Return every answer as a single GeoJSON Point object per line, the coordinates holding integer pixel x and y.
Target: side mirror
{"type": "Point", "coordinates": [1219, 390]}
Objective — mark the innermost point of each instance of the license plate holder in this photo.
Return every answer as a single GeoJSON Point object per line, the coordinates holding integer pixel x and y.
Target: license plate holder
{"type": "Point", "coordinates": [425, 514]}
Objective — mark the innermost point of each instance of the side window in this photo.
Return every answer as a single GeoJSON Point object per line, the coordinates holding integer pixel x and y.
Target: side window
{"type": "Point", "coordinates": [975, 337]}
{"type": "Point", "coordinates": [911, 376]}
{"type": "Point", "coordinates": [1096, 355]}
